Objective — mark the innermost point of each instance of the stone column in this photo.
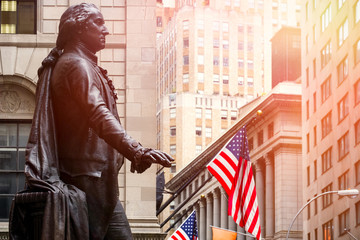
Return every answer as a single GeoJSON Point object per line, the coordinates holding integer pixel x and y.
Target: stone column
{"type": "Point", "coordinates": [216, 220]}
{"type": "Point", "coordinates": [269, 227]}
{"type": "Point", "coordinates": [209, 215]}
{"type": "Point", "coordinates": [260, 192]}
{"type": "Point", "coordinates": [240, 230]}
{"type": "Point", "coordinates": [202, 230]}
{"type": "Point", "coordinates": [232, 223]}
{"type": "Point", "coordinates": [224, 209]}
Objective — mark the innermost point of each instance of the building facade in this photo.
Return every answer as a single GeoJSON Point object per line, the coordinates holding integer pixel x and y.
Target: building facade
{"type": "Point", "coordinates": [275, 152]}
{"type": "Point", "coordinates": [28, 33]}
{"type": "Point", "coordinates": [330, 116]}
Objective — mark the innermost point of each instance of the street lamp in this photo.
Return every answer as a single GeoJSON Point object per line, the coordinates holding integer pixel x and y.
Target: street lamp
{"type": "Point", "coordinates": [351, 193]}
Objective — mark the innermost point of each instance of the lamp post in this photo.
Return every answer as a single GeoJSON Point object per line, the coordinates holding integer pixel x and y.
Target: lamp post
{"type": "Point", "coordinates": [352, 193]}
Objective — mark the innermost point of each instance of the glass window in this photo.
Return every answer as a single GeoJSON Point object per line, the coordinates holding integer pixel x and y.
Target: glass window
{"type": "Point", "coordinates": [326, 162]}
{"type": "Point", "coordinates": [241, 63]}
{"type": "Point", "coordinates": [172, 112]}
{"type": "Point", "coordinates": [250, 81]}
{"type": "Point", "coordinates": [186, 60]}
{"type": "Point", "coordinates": [186, 25]}
{"type": "Point", "coordinates": [216, 26]}
{"type": "Point", "coordinates": [325, 54]}
{"type": "Point", "coordinates": [224, 114]}
{"type": "Point", "coordinates": [208, 132]}
{"type": "Point", "coordinates": [357, 11]}
{"type": "Point", "coordinates": [185, 78]}
{"type": "Point", "coordinates": [216, 61]}
{"type": "Point", "coordinates": [13, 140]}
{"type": "Point", "coordinates": [343, 32]}
{"type": "Point", "coordinates": [260, 137]}
{"type": "Point", "coordinates": [233, 115]}
{"type": "Point", "coordinates": [357, 92]}
{"type": "Point", "coordinates": [200, 24]}
{"type": "Point", "coordinates": [201, 59]}
{"type": "Point", "coordinates": [325, 89]}
{"type": "Point", "coordinates": [344, 181]}
{"type": "Point", "coordinates": [240, 80]}
{"type": "Point", "coordinates": [198, 113]}
{"type": "Point", "coordinates": [270, 130]}
{"type": "Point", "coordinates": [225, 61]}
{"type": "Point", "coordinates": [315, 169]}
{"type": "Point", "coordinates": [216, 78]}
{"type": "Point", "coordinates": [326, 125]}
{"type": "Point", "coordinates": [251, 144]}
{"type": "Point", "coordinates": [18, 17]}
{"type": "Point", "coordinates": [340, 3]}
{"type": "Point", "coordinates": [225, 26]}
{"type": "Point", "coordinates": [343, 108]}
{"type": "Point", "coordinates": [225, 79]}
{"type": "Point", "coordinates": [328, 229]}
{"type": "Point", "coordinates": [250, 64]}
{"type": "Point", "coordinates": [240, 46]}
{"type": "Point", "coordinates": [343, 70]}
{"type": "Point", "coordinates": [198, 149]}
{"type": "Point", "coordinates": [343, 146]}
{"type": "Point", "coordinates": [344, 222]}
{"type": "Point", "coordinates": [200, 77]}
{"type": "Point", "coordinates": [172, 150]}
{"type": "Point", "coordinates": [186, 42]}
{"type": "Point", "coordinates": [357, 52]}
{"type": "Point", "coordinates": [357, 207]}
{"type": "Point", "coordinates": [357, 132]}
{"type": "Point", "coordinates": [200, 42]}
{"type": "Point", "coordinates": [172, 131]}
{"type": "Point", "coordinates": [225, 44]}
{"type": "Point", "coordinates": [326, 18]}
{"type": "Point", "coordinates": [327, 198]}
{"type": "Point", "coordinates": [198, 131]}
{"type": "Point", "coordinates": [208, 113]}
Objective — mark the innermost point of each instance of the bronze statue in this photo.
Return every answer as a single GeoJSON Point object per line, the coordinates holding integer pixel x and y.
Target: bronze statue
{"type": "Point", "coordinates": [77, 141]}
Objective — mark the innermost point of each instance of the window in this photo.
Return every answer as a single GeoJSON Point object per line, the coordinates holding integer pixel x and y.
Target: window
{"type": "Point", "coordinates": [200, 77]}
{"type": "Point", "coordinates": [326, 125]}
{"type": "Point", "coordinates": [340, 3]}
{"type": "Point", "coordinates": [225, 61]}
{"type": "Point", "coordinates": [216, 26]}
{"type": "Point", "coordinates": [326, 162]}
{"type": "Point", "coordinates": [224, 114]}
{"type": "Point", "coordinates": [357, 207]}
{"type": "Point", "coordinates": [328, 229]}
{"type": "Point", "coordinates": [172, 150]}
{"type": "Point", "coordinates": [327, 198]}
{"type": "Point", "coordinates": [158, 21]}
{"type": "Point", "coordinates": [344, 222]}
{"type": "Point", "coordinates": [18, 16]}
{"type": "Point", "coordinates": [308, 215]}
{"type": "Point", "coordinates": [198, 131]}
{"type": "Point", "coordinates": [314, 101]}
{"type": "Point", "coordinates": [240, 28]}
{"type": "Point", "coordinates": [325, 18]}
{"type": "Point", "coordinates": [225, 79]}
{"type": "Point", "coordinates": [200, 59]}
{"type": "Point", "coordinates": [307, 143]}
{"type": "Point", "coordinates": [172, 131]}
{"type": "Point", "coordinates": [241, 63]}
{"type": "Point", "coordinates": [344, 181]}
{"type": "Point", "coordinates": [308, 175]}
{"type": "Point", "coordinates": [13, 140]}
{"type": "Point", "coordinates": [316, 232]}
{"type": "Point", "coordinates": [315, 210]}
{"type": "Point", "coordinates": [250, 64]}
{"type": "Point", "coordinates": [225, 44]}
{"type": "Point", "coordinates": [200, 24]}
{"type": "Point", "coordinates": [260, 137]}
{"type": "Point", "coordinates": [315, 136]}
{"type": "Point", "coordinates": [198, 113]}
{"type": "Point", "coordinates": [225, 27]}
{"type": "Point", "coordinates": [216, 61]}
{"type": "Point", "coordinates": [208, 132]}
{"type": "Point", "coordinates": [357, 11]}
{"type": "Point", "coordinates": [357, 51]}
{"type": "Point", "coordinates": [216, 78]}
{"type": "Point", "coordinates": [186, 25]}
{"type": "Point", "coordinates": [233, 115]}
{"type": "Point", "coordinates": [343, 32]}
{"type": "Point", "coordinates": [315, 170]}
{"type": "Point", "coordinates": [343, 108]}
{"type": "Point", "coordinates": [307, 109]}
{"type": "Point", "coordinates": [343, 70]}
{"type": "Point", "coordinates": [208, 114]}
{"type": "Point", "coordinates": [173, 169]}
{"type": "Point", "coordinates": [241, 80]}
{"type": "Point", "coordinates": [314, 68]}
{"type": "Point", "coordinates": [172, 112]}
{"type": "Point", "coordinates": [325, 54]}
{"type": "Point", "coordinates": [250, 46]}
{"type": "Point", "coordinates": [186, 60]}
{"type": "Point", "coordinates": [198, 149]}
{"type": "Point", "coordinates": [270, 130]}
{"type": "Point", "coordinates": [307, 77]}
{"type": "Point", "coordinates": [343, 146]}
{"type": "Point", "coordinates": [240, 46]}
{"type": "Point", "coordinates": [325, 89]}
{"type": "Point", "coordinates": [250, 81]}
{"type": "Point", "coordinates": [185, 78]}
{"type": "Point", "coordinates": [314, 33]}
{"type": "Point", "coordinates": [216, 43]}
{"type": "Point", "coordinates": [357, 132]}
{"type": "Point", "coordinates": [200, 42]}
{"type": "Point", "coordinates": [251, 144]}
{"type": "Point", "coordinates": [357, 92]}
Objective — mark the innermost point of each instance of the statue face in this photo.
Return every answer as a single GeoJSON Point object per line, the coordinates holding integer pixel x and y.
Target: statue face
{"type": "Point", "coordinates": [93, 36]}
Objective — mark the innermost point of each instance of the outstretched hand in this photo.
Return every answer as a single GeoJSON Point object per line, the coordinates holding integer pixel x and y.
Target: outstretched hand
{"type": "Point", "coordinates": [156, 156]}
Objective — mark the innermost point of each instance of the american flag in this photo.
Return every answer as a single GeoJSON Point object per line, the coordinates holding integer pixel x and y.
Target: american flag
{"type": "Point", "coordinates": [187, 230]}
{"type": "Point", "coordinates": [232, 168]}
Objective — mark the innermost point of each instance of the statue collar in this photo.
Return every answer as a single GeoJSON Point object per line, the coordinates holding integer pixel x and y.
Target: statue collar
{"type": "Point", "coordinates": [80, 49]}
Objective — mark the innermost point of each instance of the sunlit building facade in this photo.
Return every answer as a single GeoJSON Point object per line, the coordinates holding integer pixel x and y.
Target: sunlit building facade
{"type": "Point", "coordinates": [331, 116]}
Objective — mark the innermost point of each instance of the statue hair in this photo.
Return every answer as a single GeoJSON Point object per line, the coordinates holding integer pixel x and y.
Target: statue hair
{"type": "Point", "coordinates": [72, 21]}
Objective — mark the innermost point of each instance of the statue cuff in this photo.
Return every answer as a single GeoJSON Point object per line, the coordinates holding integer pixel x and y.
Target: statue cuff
{"type": "Point", "coordinates": [138, 158]}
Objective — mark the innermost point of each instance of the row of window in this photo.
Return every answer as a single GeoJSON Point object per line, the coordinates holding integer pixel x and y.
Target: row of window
{"type": "Point", "coordinates": [217, 26]}
{"type": "Point", "coordinates": [216, 44]}
{"type": "Point", "coordinates": [198, 131]}
{"type": "Point", "coordinates": [216, 61]}
{"type": "Point", "coordinates": [208, 114]}
{"type": "Point", "coordinates": [216, 79]}
{"type": "Point", "coordinates": [260, 136]}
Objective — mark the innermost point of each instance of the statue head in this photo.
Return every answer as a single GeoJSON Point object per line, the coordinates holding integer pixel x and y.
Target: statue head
{"type": "Point", "coordinates": [84, 23]}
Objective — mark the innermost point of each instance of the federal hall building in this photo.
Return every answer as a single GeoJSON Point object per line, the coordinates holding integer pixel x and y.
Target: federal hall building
{"type": "Point", "coordinates": [28, 32]}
